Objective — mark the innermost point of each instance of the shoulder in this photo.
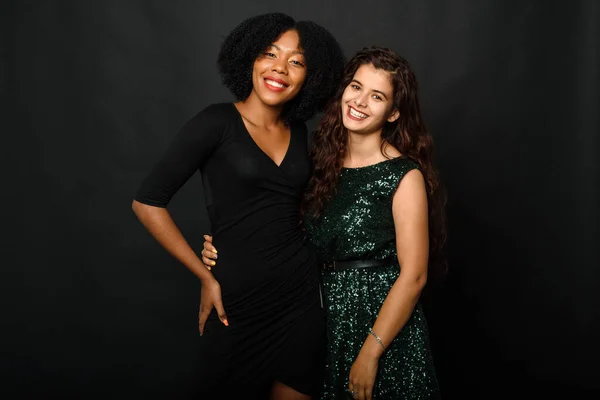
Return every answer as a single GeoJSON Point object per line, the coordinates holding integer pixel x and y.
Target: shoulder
{"type": "Point", "coordinates": [211, 118]}
{"type": "Point", "coordinates": [215, 112]}
{"type": "Point", "coordinates": [399, 163]}
{"type": "Point", "coordinates": [402, 165]}
{"type": "Point", "coordinates": [406, 175]}
{"type": "Point", "coordinates": [410, 179]}
{"type": "Point", "coordinates": [300, 132]}
{"type": "Point", "coordinates": [299, 127]}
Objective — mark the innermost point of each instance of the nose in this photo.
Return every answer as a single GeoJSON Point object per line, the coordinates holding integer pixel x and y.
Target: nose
{"type": "Point", "coordinates": [361, 99]}
{"type": "Point", "coordinates": [280, 66]}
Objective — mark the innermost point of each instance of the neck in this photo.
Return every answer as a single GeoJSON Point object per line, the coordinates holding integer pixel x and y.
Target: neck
{"type": "Point", "coordinates": [363, 148]}
{"type": "Point", "coordinates": [258, 113]}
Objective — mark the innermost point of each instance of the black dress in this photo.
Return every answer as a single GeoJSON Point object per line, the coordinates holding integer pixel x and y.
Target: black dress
{"type": "Point", "coordinates": [267, 273]}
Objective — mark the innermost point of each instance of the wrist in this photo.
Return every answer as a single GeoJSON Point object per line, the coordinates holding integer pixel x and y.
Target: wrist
{"type": "Point", "coordinates": [372, 348]}
{"type": "Point", "coordinates": [206, 278]}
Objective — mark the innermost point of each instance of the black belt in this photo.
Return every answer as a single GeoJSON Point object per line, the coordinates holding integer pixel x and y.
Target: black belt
{"type": "Point", "coordinates": [341, 265]}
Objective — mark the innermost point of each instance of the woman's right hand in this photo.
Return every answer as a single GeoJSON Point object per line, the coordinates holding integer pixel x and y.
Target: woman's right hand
{"type": "Point", "coordinates": [209, 253]}
{"type": "Point", "coordinates": [211, 297]}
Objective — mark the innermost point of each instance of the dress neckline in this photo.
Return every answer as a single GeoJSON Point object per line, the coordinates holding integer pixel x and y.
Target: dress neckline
{"type": "Point", "coordinates": [373, 165]}
{"type": "Point", "coordinates": [240, 119]}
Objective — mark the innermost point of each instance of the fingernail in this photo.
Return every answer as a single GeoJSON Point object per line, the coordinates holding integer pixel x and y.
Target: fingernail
{"type": "Point", "coordinates": [213, 263]}
{"type": "Point", "coordinates": [208, 268]}
{"type": "Point", "coordinates": [225, 322]}
{"type": "Point", "coordinates": [214, 250]}
{"type": "Point", "coordinates": [200, 333]}
{"type": "Point", "coordinates": [205, 237]}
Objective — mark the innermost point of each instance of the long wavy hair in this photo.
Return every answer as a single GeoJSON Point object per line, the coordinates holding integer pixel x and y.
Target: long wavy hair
{"type": "Point", "coordinates": [408, 134]}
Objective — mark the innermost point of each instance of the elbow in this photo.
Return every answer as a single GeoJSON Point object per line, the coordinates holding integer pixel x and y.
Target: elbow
{"type": "Point", "coordinates": [414, 282]}
{"type": "Point", "coordinates": [139, 209]}
{"type": "Point", "coordinates": [135, 206]}
{"type": "Point", "coordinates": [421, 281]}
{"type": "Point", "coordinates": [146, 212]}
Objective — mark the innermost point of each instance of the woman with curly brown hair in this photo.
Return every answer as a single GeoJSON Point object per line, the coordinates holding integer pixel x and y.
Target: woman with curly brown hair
{"type": "Point", "coordinates": [374, 210]}
{"type": "Point", "coordinates": [260, 316]}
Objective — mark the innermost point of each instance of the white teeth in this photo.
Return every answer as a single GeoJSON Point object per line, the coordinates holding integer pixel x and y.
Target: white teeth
{"type": "Point", "coordinates": [276, 84]}
{"type": "Point", "coordinates": [357, 114]}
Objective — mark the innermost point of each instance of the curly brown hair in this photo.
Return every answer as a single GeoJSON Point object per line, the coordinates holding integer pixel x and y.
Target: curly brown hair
{"type": "Point", "coordinates": [408, 134]}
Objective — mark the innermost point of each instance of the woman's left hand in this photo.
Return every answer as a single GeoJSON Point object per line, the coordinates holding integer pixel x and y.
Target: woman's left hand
{"type": "Point", "coordinates": [362, 376]}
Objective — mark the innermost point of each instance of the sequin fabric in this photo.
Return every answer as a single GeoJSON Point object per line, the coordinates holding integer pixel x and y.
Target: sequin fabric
{"type": "Point", "coordinates": [358, 224]}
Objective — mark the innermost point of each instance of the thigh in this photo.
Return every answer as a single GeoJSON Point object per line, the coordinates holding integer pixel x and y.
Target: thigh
{"type": "Point", "coordinates": [279, 391]}
{"type": "Point", "coordinates": [301, 361]}
{"type": "Point", "coordinates": [224, 371]}
{"type": "Point", "coordinates": [214, 362]}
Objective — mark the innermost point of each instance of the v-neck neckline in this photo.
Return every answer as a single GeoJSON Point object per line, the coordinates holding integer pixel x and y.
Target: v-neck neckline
{"type": "Point", "coordinates": [287, 151]}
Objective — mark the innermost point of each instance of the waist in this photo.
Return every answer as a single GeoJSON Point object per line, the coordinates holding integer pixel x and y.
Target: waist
{"type": "Point", "coordinates": [266, 233]}
{"type": "Point", "coordinates": [261, 245]}
{"type": "Point", "coordinates": [357, 264]}
{"type": "Point", "coordinates": [252, 217]}
{"type": "Point", "coordinates": [256, 258]}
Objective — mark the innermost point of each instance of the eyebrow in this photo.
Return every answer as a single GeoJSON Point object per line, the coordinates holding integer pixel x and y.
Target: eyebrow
{"type": "Point", "coordinates": [294, 52]}
{"type": "Point", "coordinates": [375, 90]}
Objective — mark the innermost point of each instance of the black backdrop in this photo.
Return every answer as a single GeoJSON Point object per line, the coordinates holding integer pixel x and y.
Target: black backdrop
{"type": "Point", "coordinates": [93, 91]}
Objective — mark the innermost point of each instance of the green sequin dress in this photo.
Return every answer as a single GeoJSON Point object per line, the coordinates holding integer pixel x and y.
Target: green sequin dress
{"type": "Point", "coordinates": [357, 224]}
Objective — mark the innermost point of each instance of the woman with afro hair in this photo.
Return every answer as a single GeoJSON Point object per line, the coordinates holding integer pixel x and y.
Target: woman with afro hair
{"type": "Point", "coordinates": [261, 321]}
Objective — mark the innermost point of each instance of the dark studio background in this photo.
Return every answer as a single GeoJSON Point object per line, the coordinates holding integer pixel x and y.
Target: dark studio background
{"type": "Point", "coordinates": [93, 92]}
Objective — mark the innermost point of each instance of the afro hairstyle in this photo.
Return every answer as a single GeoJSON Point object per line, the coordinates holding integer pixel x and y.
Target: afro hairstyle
{"type": "Point", "coordinates": [323, 55]}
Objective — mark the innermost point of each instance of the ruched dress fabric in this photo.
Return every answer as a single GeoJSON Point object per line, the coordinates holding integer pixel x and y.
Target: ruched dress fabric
{"type": "Point", "coordinates": [357, 224]}
{"type": "Point", "coordinates": [267, 272]}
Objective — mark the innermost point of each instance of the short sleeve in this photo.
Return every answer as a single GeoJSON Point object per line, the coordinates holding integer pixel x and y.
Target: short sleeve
{"type": "Point", "coordinates": [199, 138]}
{"type": "Point", "coordinates": [403, 166]}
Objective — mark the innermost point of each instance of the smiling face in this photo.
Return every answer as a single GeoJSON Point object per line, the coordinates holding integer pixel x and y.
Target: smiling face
{"type": "Point", "coordinates": [368, 101]}
{"type": "Point", "coordinates": [279, 72]}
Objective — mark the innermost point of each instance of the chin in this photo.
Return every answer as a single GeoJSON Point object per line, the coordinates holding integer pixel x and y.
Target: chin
{"type": "Point", "coordinates": [274, 100]}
